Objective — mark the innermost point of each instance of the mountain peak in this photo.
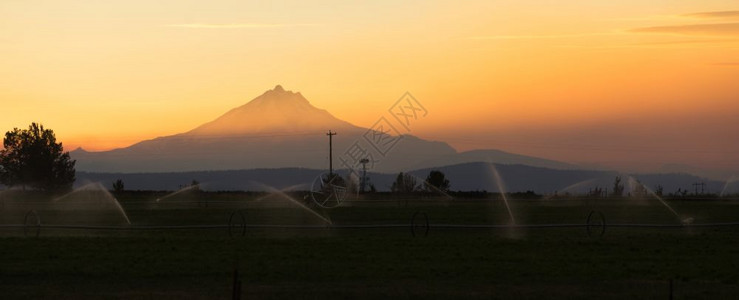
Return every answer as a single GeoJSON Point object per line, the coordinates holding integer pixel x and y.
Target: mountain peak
{"type": "Point", "coordinates": [279, 98]}
{"type": "Point", "coordinates": [79, 149]}
{"type": "Point", "coordinates": [281, 93]}
{"type": "Point", "coordinates": [275, 111]}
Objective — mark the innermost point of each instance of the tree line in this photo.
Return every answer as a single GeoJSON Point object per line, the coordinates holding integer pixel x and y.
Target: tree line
{"type": "Point", "coordinates": [436, 181]}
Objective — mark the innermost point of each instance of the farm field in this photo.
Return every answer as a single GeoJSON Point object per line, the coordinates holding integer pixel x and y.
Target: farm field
{"type": "Point", "coordinates": [367, 250]}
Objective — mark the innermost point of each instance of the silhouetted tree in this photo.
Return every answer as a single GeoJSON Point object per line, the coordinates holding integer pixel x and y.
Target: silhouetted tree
{"type": "Point", "coordinates": [404, 183]}
{"type": "Point", "coordinates": [334, 179]}
{"type": "Point", "coordinates": [195, 185]}
{"type": "Point", "coordinates": [659, 190]}
{"type": "Point", "coordinates": [618, 187]}
{"type": "Point", "coordinates": [32, 158]}
{"type": "Point", "coordinates": [596, 192]}
{"type": "Point", "coordinates": [436, 181]}
{"type": "Point", "coordinates": [334, 184]}
{"type": "Point", "coordinates": [118, 186]}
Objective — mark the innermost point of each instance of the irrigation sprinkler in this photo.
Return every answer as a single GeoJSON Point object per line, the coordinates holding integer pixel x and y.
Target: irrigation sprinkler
{"type": "Point", "coordinates": [238, 214]}
{"type": "Point", "coordinates": [32, 216]}
{"type": "Point", "coordinates": [420, 222]}
{"type": "Point", "coordinates": [595, 219]}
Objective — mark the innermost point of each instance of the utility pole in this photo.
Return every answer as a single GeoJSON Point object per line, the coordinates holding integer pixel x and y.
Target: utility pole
{"type": "Point", "coordinates": [702, 185]}
{"type": "Point", "coordinates": [330, 155]}
{"type": "Point", "coordinates": [363, 181]}
{"type": "Point", "coordinates": [695, 185]}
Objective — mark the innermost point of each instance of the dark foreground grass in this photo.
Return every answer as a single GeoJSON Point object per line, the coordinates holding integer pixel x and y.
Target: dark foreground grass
{"type": "Point", "coordinates": [372, 264]}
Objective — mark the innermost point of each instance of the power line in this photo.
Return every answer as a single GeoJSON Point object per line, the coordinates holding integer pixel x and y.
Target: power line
{"type": "Point", "coordinates": [330, 154]}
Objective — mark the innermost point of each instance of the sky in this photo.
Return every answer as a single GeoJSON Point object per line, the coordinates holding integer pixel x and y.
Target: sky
{"type": "Point", "coordinates": [629, 84]}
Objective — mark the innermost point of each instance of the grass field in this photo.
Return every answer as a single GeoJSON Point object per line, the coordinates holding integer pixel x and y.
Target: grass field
{"type": "Point", "coordinates": [326, 261]}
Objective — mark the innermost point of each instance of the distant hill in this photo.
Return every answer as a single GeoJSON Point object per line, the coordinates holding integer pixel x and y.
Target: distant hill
{"type": "Point", "coordinates": [494, 156]}
{"type": "Point", "coordinates": [463, 177]}
{"type": "Point", "coordinates": [281, 129]}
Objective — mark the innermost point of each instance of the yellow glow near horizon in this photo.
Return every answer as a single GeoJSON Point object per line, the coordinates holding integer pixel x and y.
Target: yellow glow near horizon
{"type": "Point", "coordinates": [106, 75]}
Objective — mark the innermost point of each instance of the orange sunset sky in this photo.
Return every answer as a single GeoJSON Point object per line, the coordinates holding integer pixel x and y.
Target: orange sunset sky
{"type": "Point", "coordinates": [629, 84]}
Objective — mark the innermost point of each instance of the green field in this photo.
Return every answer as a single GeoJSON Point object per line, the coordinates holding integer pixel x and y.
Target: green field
{"type": "Point", "coordinates": [316, 260]}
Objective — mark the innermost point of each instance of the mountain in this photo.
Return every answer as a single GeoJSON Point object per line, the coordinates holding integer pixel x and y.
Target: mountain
{"type": "Point", "coordinates": [281, 129]}
{"type": "Point", "coordinates": [278, 129]}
